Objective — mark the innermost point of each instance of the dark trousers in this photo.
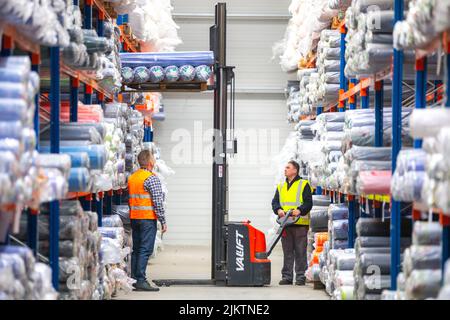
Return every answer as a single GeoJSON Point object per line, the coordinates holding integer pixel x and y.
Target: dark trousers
{"type": "Point", "coordinates": [143, 232]}
{"type": "Point", "coordinates": [294, 242]}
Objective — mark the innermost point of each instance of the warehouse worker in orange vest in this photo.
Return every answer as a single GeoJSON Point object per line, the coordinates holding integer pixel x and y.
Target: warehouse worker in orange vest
{"type": "Point", "coordinates": [294, 193]}
{"type": "Point", "coordinates": [146, 207]}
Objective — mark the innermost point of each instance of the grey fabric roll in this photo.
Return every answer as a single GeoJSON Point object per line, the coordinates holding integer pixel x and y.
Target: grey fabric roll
{"type": "Point", "coordinates": [321, 201]}
{"type": "Point", "coordinates": [360, 251]}
{"type": "Point", "coordinates": [373, 285]}
{"type": "Point", "coordinates": [423, 284]}
{"type": "Point", "coordinates": [427, 233]}
{"type": "Point", "coordinates": [337, 212]}
{"type": "Point", "coordinates": [379, 242]}
{"type": "Point", "coordinates": [345, 262]}
{"type": "Point", "coordinates": [67, 248]}
{"type": "Point", "coordinates": [422, 257]}
{"type": "Point", "coordinates": [373, 227]}
{"type": "Point", "coordinates": [364, 5]}
{"type": "Point", "coordinates": [380, 21]}
{"type": "Point", "coordinates": [367, 261]}
{"type": "Point", "coordinates": [319, 219]}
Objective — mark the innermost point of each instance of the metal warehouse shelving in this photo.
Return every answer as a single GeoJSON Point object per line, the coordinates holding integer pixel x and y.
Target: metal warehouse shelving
{"type": "Point", "coordinates": [350, 89]}
{"type": "Point", "coordinates": [57, 68]}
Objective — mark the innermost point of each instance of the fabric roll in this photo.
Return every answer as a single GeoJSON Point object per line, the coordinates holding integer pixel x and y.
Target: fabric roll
{"type": "Point", "coordinates": [374, 227]}
{"type": "Point", "coordinates": [427, 122]}
{"type": "Point", "coordinates": [373, 182]}
{"type": "Point", "coordinates": [423, 284]}
{"type": "Point", "coordinates": [339, 229]}
{"type": "Point", "coordinates": [337, 212]}
{"type": "Point", "coordinates": [422, 257]}
{"type": "Point", "coordinates": [79, 180]}
{"type": "Point", "coordinates": [379, 242]}
{"type": "Point", "coordinates": [164, 59]}
{"type": "Point", "coordinates": [427, 233]}
{"type": "Point", "coordinates": [319, 219]}
{"type": "Point", "coordinates": [368, 261]}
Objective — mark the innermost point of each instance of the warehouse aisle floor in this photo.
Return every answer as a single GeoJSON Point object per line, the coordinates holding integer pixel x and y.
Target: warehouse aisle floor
{"type": "Point", "coordinates": [193, 262]}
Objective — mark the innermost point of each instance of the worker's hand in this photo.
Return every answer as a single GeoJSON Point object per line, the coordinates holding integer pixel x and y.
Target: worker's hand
{"type": "Point", "coordinates": [281, 213]}
{"type": "Point", "coordinates": [164, 228]}
{"type": "Point", "coordinates": [295, 212]}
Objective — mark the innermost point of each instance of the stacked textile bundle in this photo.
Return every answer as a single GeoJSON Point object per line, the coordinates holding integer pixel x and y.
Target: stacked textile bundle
{"type": "Point", "coordinates": [409, 175]}
{"type": "Point", "coordinates": [151, 22]}
{"type": "Point", "coordinates": [419, 26]}
{"type": "Point", "coordinates": [329, 133]}
{"type": "Point", "coordinates": [421, 276]}
{"type": "Point", "coordinates": [20, 176]}
{"type": "Point", "coordinates": [370, 38]}
{"type": "Point", "coordinates": [372, 249]}
{"type": "Point", "coordinates": [431, 125]}
{"type": "Point", "coordinates": [339, 267]}
{"type": "Point", "coordinates": [44, 22]}
{"type": "Point", "coordinates": [22, 278]}
{"type": "Point", "coordinates": [316, 242]}
{"type": "Point", "coordinates": [303, 31]}
{"type": "Point", "coordinates": [116, 254]}
{"type": "Point", "coordinates": [170, 67]}
{"type": "Point", "coordinates": [338, 226]}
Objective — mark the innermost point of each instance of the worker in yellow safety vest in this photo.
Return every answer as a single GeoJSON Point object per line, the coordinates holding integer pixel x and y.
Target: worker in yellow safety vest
{"type": "Point", "coordinates": [294, 193]}
{"type": "Point", "coordinates": [146, 200]}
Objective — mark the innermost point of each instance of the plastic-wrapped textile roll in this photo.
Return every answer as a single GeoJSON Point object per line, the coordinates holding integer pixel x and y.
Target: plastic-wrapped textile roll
{"type": "Point", "coordinates": [97, 153]}
{"type": "Point", "coordinates": [337, 211]}
{"type": "Point", "coordinates": [345, 293]}
{"type": "Point", "coordinates": [370, 285]}
{"type": "Point", "coordinates": [93, 220]}
{"type": "Point", "coordinates": [408, 187]}
{"type": "Point", "coordinates": [11, 129]}
{"type": "Point", "coordinates": [116, 233]}
{"type": "Point", "coordinates": [321, 200]}
{"type": "Point", "coordinates": [346, 262]}
{"type": "Point", "coordinates": [369, 261]}
{"type": "Point", "coordinates": [25, 253]}
{"type": "Point", "coordinates": [67, 248]}
{"type": "Point", "coordinates": [319, 219]}
{"type": "Point", "coordinates": [428, 124]}
{"type": "Point", "coordinates": [172, 73]}
{"type": "Point", "coordinates": [444, 293]}
{"type": "Point", "coordinates": [11, 145]}
{"type": "Point", "coordinates": [203, 73]}
{"type": "Point", "coordinates": [367, 165]}
{"type": "Point", "coordinates": [164, 59]}
{"type": "Point", "coordinates": [382, 38]}
{"type": "Point", "coordinates": [380, 21]}
{"type": "Point", "coordinates": [8, 163]}
{"type": "Point", "coordinates": [123, 211]}
{"type": "Point", "coordinates": [334, 126]}
{"type": "Point", "coordinates": [369, 153]}
{"type": "Point", "coordinates": [339, 229]}
{"type": "Point", "coordinates": [68, 267]}
{"type": "Point", "coordinates": [330, 77]}
{"type": "Point", "coordinates": [112, 221]}
{"type": "Point", "coordinates": [331, 117]}
{"type": "Point", "coordinates": [379, 242]}
{"type": "Point", "coordinates": [427, 233]}
{"type": "Point", "coordinates": [70, 208]}
{"type": "Point", "coordinates": [79, 180]}
{"type": "Point", "coordinates": [373, 182]}
{"type": "Point", "coordinates": [98, 127]}
{"type": "Point", "coordinates": [363, 250]}
{"type": "Point", "coordinates": [127, 75]}
{"type": "Point", "coordinates": [61, 162]}
{"type": "Point", "coordinates": [423, 284]}
{"type": "Point", "coordinates": [187, 72]}
{"type": "Point", "coordinates": [73, 133]}
{"type": "Point", "coordinates": [96, 44]}
{"type": "Point", "coordinates": [141, 74]}
{"type": "Point", "coordinates": [364, 6]}
{"type": "Point", "coordinates": [372, 227]}
{"type": "Point", "coordinates": [14, 109]}
{"type": "Point", "coordinates": [410, 160]}
{"type": "Point", "coordinates": [156, 74]}
{"type": "Point", "coordinates": [339, 244]}
{"type": "Point", "coordinates": [79, 159]}
{"type": "Point", "coordinates": [20, 75]}
{"type": "Point", "coordinates": [13, 90]}
{"type": "Point", "coordinates": [70, 227]}
{"type": "Point", "coordinates": [422, 257]}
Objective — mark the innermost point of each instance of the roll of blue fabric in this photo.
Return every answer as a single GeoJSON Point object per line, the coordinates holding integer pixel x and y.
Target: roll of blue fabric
{"type": "Point", "coordinates": [79, 180]}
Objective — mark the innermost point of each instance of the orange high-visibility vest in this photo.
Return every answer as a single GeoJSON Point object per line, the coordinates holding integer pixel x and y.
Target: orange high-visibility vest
{"type": "Point", "coordinates": [140, 201]}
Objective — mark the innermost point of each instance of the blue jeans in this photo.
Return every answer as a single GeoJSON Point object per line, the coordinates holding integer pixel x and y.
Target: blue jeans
{"type": "Point", "coordinates": [143, 234]}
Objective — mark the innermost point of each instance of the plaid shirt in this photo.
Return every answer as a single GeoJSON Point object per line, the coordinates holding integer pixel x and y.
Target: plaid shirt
{"type": "Point", "coordinates": [153, 186]}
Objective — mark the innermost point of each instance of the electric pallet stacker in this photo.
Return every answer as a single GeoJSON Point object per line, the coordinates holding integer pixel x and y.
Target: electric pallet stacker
{"type": "Point", "coordinates": [239, 256]}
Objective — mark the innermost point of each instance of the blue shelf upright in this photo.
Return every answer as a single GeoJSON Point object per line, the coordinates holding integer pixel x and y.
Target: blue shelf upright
{"type": "Point", "coordinates": [396, 146]}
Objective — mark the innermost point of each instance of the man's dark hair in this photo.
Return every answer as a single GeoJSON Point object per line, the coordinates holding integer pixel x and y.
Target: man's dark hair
{"type": "Point", "coordinates": [296, 165]}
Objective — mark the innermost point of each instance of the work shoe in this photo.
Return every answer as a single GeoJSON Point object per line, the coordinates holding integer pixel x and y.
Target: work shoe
{"type": "Point", "coordinates": [144, 286]}
{"type": "Point", "coordinates": [301, 282]}
{"type": "Point", "coordinates": [284, 282]}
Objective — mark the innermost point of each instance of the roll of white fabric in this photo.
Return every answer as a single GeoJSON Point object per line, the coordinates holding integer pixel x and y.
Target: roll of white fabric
{"type": "Point", "coordinates": [427, 122]}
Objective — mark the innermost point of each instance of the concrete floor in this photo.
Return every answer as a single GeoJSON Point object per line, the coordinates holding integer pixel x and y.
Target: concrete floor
{"type": "Point", "coordinates": [193, 262]}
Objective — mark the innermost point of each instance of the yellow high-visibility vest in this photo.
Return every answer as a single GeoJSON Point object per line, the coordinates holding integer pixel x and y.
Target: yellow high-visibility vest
{"type": "Point", "coordinates": [293, 198]}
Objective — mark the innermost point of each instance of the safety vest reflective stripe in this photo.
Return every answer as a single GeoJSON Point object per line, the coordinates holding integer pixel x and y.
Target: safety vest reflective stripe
{"type": "Point", "coordinates": [141, 208]}
{"type": "Point", "coordinates": [139, 196]}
